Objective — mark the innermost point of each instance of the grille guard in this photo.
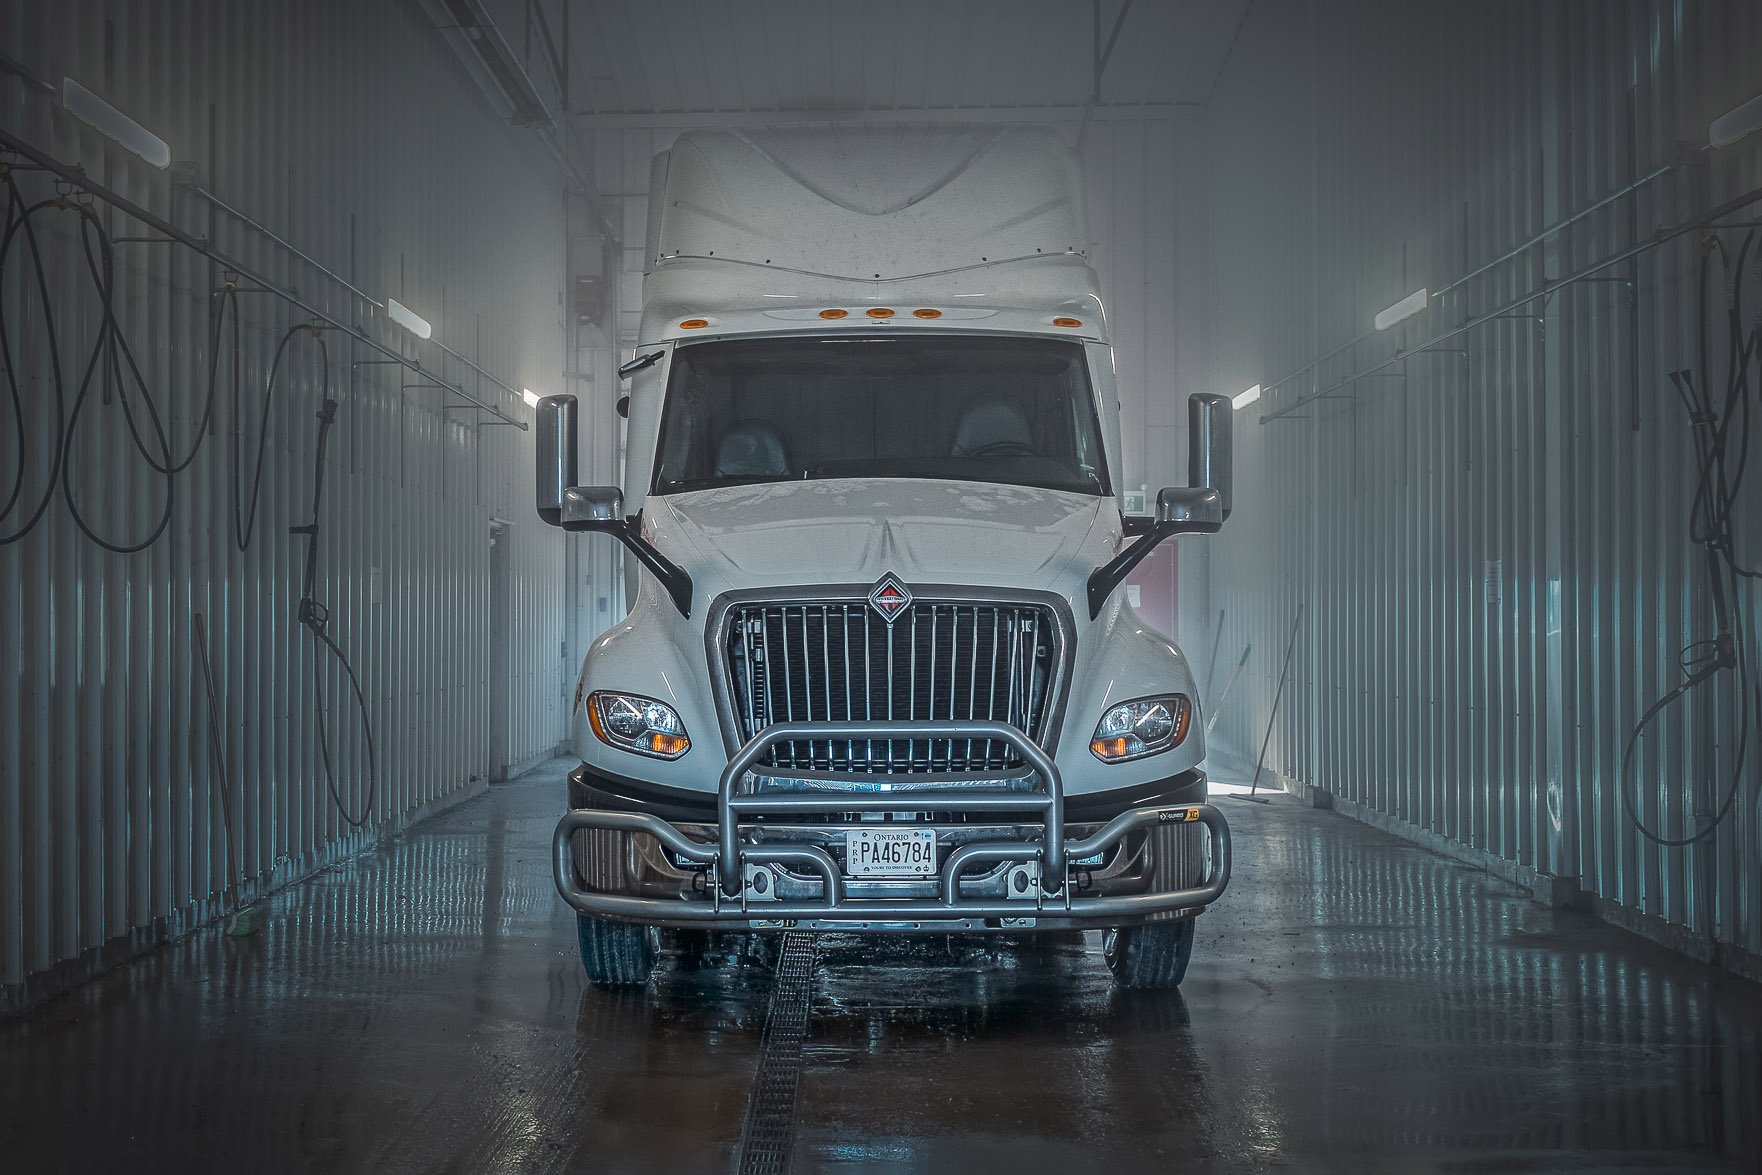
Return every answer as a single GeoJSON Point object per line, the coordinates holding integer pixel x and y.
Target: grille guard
{"type": "Point", "coordinates": [727, 859]}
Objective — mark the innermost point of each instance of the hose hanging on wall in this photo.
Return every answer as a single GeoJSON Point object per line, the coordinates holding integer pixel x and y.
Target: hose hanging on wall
{"type": "Point", "coordinates": [1721, 435]}
{"type": "Point", "coordinates": [313, 615]}
{"type": "Point", "coordinates": [112, 358]}
{"type": "Point", "coordinates": [107, 354]}
{"type": "Point", "coordinates": [18, 220]}
{"type": "Point", "coordinates": [244, 511]}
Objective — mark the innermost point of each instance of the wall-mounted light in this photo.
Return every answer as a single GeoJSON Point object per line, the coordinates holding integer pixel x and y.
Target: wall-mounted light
{"type": "Point", "coordinates": [1241, 400]}
{"type": "Point", "coordinates": [107, 120]}
{"type": "Point", "coordinates": [530, 396]}
{"type": "Point", "coordinates": [408, 319]}
{"type": "Point", "coordinates": [1729, 128]}
{"type": "Point", "coordinates": [1403, 310]}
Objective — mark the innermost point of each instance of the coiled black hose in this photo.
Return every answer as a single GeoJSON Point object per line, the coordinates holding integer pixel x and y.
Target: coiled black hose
{"type": "Point", "coordinates": [1721, 436]}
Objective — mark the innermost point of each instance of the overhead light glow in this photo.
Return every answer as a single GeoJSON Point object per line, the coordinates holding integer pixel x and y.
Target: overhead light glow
{"type": "Point", "coordinates": [1729, 128]}
{"type": "Point", "coordinates": [1403, 310]}
{"type": "Point", "coordinates": [408, 319]}
{"type": "Point", "coordinates": [530, 396]}
{"type": "Point", "coordinates": [106, 119]}
{"type": "Point", "coordinates": [1241, 400]}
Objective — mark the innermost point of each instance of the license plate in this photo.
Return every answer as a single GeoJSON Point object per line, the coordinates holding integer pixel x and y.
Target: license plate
{"type": "Point", "coordinates": [890, 852]}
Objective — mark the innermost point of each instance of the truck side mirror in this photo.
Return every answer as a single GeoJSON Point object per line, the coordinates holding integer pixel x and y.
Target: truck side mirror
{"type": "Point", "coordinates": [1190, 508]}
{"type": "Point", "coordinates": [1208, 446]}
{"type": "Point", "coordinates": [556, 452]}
{"type": "Point", "coordinates": [593, 508]}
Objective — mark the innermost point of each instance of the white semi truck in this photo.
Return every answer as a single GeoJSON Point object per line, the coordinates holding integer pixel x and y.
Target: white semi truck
{"type": "Point", "coordinates": [876, 675]}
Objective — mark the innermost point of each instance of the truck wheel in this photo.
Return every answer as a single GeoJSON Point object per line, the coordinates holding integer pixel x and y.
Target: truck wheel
{"type": "Point", "coordinates": [1149, 957]}
{"type": "Point", "coordinates": [615, 954]}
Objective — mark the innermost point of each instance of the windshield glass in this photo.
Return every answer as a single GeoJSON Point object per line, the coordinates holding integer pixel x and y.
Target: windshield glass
{"type": "Point", "coordinates": [964, 408]}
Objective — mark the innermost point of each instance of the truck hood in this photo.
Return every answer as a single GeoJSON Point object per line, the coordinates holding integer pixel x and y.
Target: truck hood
{"type": "Point", "coordinates": [854, 530]}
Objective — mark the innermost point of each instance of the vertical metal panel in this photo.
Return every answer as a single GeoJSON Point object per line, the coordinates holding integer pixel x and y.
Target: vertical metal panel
{"type": "Point", "coordinates": [1489, 538]}
{"type": "Point", "coordinates": [352, 131]}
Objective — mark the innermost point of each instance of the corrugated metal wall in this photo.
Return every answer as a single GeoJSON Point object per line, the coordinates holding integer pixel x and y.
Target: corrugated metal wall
{"type": "Point", "coordinates": [352, 131]}
{"type": "Point", "coordinates": [1488, 535]}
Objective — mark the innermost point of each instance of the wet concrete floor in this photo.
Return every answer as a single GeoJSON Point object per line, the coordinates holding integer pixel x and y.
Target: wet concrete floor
{"type": "Point", "coordinates": [1355, 1005]}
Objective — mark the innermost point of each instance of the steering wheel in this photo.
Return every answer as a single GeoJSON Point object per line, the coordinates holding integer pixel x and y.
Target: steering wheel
{"type": "Point", "coordinates": [1000, 448]}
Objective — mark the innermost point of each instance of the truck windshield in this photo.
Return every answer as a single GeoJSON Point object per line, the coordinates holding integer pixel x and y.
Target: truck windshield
{"type": "Point", "coordinates": [966, 408]}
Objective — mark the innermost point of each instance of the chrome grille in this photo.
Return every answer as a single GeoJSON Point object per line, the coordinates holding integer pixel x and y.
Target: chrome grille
{"type": "Point", "coordinates": [840, 662]}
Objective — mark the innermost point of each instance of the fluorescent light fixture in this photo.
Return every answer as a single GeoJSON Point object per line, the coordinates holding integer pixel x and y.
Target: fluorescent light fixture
{"type": "Point", "coordinates": [530, 396]}
{"type": "Point", "coordinates": [1241, 400]}
{"type": "Point", "coordinates": [1403, 310]}
{"type": "Point", "coordinates": [408, 319]}
{"type": "Point", "coordinates": [1729, 128]}
{"type": "Point", "coordinates": [107, 120]}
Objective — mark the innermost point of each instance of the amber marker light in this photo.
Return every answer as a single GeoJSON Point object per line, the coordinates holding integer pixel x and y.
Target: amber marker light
{"type": "Point", "coordinates": [834, 314]}
{"type": "Point", "coordinates": [1109, 748]}
{"type": "Point", "coordinates": [926, 313]}
{"type": "Point", "coordinates": [1071, 322]}
{"type": "Point", "coordinates": [668, 744]}
{"type": "Point", "coordinates": [694, 324]}
{"type": "Point", "coordinates": [879, 312]}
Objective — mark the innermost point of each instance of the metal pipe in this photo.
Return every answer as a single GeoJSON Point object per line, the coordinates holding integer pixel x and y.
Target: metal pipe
{"type": "Point", "coordinates": [1218, 707]}
{"type": "Point", "coordinates": [671, 837]}
{"type": "Point", "coordinates": [302, 255]}
{"type": "Point", "coordinates": [1661, 237]}
{"type": "Point", "coordinates": [1272, 714]}
{"type": "Point", "coordinates": [728, 805]}
{"type": "Point", "coordinates": [804, 803]}
{"type": "Point", "coordinates": [814, 858]}
{"type": "Point", "coordinates": [1552, 229]}
{"type": "Point", "coordinates": [1442, 290]}
{"type": "Point", "coordinates": [78, 177]}
{"type": "Point", "coordinates": [981, 854]}
{"type": "Point", "coordinates": [663, 911]}
{"type": "Point", "coordinates": [480, 371]}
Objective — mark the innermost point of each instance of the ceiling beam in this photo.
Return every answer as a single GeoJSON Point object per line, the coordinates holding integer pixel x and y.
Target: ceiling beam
{"type": "Point", "coordinates": [707, 119]}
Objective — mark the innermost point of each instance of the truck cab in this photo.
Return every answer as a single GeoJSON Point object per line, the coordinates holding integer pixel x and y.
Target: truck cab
{"type": "Point", "coordinates": [877, 674]}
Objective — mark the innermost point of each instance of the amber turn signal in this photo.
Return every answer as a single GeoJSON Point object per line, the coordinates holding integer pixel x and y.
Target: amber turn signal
{"type": "Point", "coordinates": [834, 313]}
{"type": "Point", "coordinates": [1067, 322]}
{"type": "Point", "coordinates": [879, 312]}
{"type": "Point", "coordinates": [694, 324]}
{"type": "Point", "coordinates": [926, 313]}
{"type": "Point", "coordinates": [669, 745]}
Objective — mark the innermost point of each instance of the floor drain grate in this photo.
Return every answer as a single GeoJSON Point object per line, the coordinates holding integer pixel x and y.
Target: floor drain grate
{"type": "Point", "coordinates": [769, 1133]}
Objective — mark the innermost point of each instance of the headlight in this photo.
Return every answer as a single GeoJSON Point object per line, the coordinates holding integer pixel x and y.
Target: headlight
{"type": "Point", "coordinates": [1132, 730]}
{"type": "Point", "coordinates": [632, 722]}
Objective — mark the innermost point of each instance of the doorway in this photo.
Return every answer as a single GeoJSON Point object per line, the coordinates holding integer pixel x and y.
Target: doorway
{"type": "Point", "coordinates": [501, 536]}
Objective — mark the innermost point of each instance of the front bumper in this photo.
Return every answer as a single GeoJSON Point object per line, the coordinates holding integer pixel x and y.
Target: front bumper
{"type": "Point", "coordinates": [1006, 859]}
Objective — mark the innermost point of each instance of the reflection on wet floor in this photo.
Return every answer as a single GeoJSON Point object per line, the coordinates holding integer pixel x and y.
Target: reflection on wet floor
{"type": "Point", "coordinates": [1355, 1004]}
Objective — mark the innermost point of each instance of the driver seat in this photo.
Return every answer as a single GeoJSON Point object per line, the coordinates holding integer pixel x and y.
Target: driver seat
{"type": "Point", "coordinates": [988, 423]}
{"type": "Point", "coordinates": [752, 448]}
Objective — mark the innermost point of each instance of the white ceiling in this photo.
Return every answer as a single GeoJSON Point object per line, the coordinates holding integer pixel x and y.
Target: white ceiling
{"type": "Point", "coordinates": [661, 63]}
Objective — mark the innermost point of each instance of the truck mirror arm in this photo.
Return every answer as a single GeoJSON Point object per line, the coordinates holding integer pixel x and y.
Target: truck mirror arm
{"type": "Point", "coordinates": [1104, 579]}
{"type": "Point", "coordinates": [637, 364]}
{"type": "Point", "coordinates": [674, 578]}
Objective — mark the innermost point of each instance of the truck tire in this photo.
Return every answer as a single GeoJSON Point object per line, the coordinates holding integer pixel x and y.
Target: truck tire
{"type": "Point", "coordinates": [615, 954]}
{"type": "Point", "coordinates": [1151, 957]}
